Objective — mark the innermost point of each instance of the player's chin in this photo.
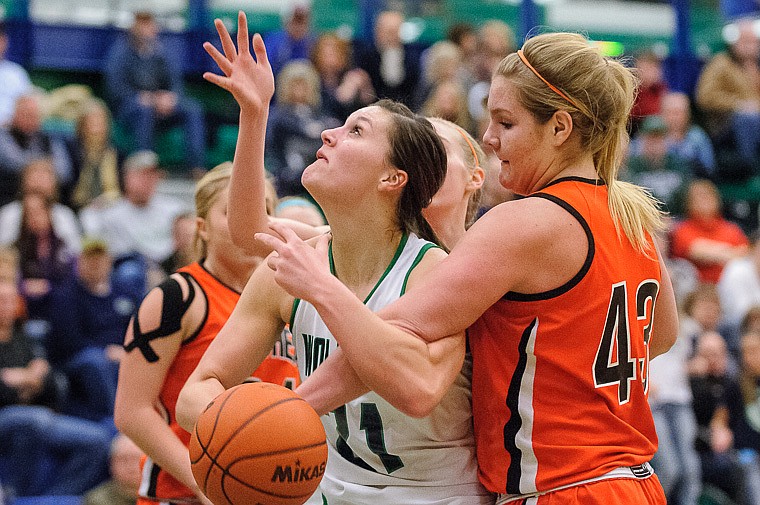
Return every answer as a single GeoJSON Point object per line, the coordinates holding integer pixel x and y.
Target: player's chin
{"type": "Point", "coordinates": [505, 175]}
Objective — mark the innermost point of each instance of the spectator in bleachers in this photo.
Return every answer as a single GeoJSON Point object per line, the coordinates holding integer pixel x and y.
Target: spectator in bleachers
{"type": "Point", "coordinates": [683, 273]}
{"type": "Point", "coordinates": [96, 159]}
{"type": "Point", "coordinates": [440, 63]}
{"type": "Point", "coordinates": [145, 90]}
{"type": "Point", "coordinates": [22, 141]}
{"type": "Point", "coordinates": [748, 431]}
{"type": "Point", "coordinates": [701, 312]}
{"type": "Point", "coordinates": [684, 138]}
{"type": "Point", "coordinates": [448, 100]}
{"type": "Point", "coordinates": [89, 315]}
{"type": "Point", "coordinates": [44, 452]}
{"type": "Point", "coordinates": [651, 165]}
{"type": "Point", "coordinates": [14, 77]}
{"type": "Point", "coordinates": [294, 131]}
{"type": "Point", "coordinates": [392, 65]}
{"type": "Point", "coordinates": [124, 468]}
{"type": "Point", "coordinates": [751, 321]}
{"type": "Point", "coordinates": [718, 407]}
{"type": "Point", "coordinates": [705, 237]}
{"type": "Point", "coordinates": [46, 261]}
{"type": "Point", "coordinates": [652, 87]}
{"type": "Point", "coordinates": [9, 268]}
{"type": "Point", "coordinates": [183, 239]}
{"type": "Point", "coordinates": [442, 93]}
{"type": "Point", "coordinates": [138, 226]}
{"type": "Point", "coordinates": [294, 41]}
{"type": "Point", "coordinates": [495, 41]}
{"type": "Point", "coordinates": [728, 93]}
{"type": "Point", "coordinates": [344, 87]}
{"type": "Point", "coordinates": [676, 461]}
{"type": "Point", "coordinates": [739, 285]}
{"type": "Point", "coordinates": [465, 36]}
{"type": "Point", "coordinates": [38, 176]}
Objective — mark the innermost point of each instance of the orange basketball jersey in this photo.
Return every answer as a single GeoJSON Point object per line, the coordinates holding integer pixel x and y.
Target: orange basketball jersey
{"type": "Point", "coordinates": [560, 378]}
{"type": "Point", "coordinates": [221, 299]}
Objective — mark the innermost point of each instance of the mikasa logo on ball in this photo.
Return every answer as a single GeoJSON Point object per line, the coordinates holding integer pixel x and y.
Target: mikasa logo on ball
{"type": "Point", "coordinates": [298, 474]}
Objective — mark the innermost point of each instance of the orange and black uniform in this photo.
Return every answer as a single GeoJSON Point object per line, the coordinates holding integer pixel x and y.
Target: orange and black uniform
{"type": "Point", "coordinates": [156, 484]}
{"type": "Point", "coordinates": [560, 378]}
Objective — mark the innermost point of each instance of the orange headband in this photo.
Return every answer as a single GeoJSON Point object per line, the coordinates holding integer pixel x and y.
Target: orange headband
{"type": "Point", "coordinates": [552, 87]}
{"type": "Point", "coordinates": [472, 148]}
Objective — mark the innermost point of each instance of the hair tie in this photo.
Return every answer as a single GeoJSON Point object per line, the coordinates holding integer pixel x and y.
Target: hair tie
{"type": "Point", "coordinates": [472, 148]}
{"type": "Point", "coordinates": [552, 87]}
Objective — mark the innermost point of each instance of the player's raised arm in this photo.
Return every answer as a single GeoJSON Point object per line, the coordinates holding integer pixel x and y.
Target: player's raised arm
{"type": "Point", "coordinates": [251, 83]}
{"type": "Point", "coordinates": [248, 77]}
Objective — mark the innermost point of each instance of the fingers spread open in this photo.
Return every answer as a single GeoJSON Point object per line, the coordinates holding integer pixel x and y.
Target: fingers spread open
{"type": "Point", "coordinates": [224, 36]}
{"type": "Point", "coordinates": [219, 80]}
{"type": "Point", "coordinates": [260, 50]}
{"type": "Point", "coordinates": [224, 63]}
{"type": "Point", "coordinates": [242, 34]}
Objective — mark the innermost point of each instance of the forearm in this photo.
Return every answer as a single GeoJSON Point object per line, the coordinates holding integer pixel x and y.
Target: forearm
{"type": "Point", "coordinates": [407, 371]}
{"type": "Point", "coordinates": [151, 433]}
{"type": "Point", "coordinates": [247, 208]}
{"type": "Point", "coordinates": [333, 383]}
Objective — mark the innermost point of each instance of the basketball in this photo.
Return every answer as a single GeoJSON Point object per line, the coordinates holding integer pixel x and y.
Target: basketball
{"type": "Point", "coordinates": [258, 444]}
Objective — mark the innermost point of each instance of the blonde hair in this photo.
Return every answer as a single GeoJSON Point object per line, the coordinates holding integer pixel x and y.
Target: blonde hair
{"type": "Point", "coordinates": [10, 264]}
{"type": "Point", "coordinates": [294, 71]}
{"type": "Point", "coordinates": [600, 92]}
{"type": "Point", "coordinates": [207, 190]}
{"type": "Point", "coordinates": [474, 156]}
{"type": "Point", "coordinates": [459, 114]}
{"type": "Point", "coordinates": [441, 55]}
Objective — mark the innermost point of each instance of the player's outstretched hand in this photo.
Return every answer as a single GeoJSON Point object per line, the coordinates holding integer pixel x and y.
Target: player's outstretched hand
{"type": "Point", "coordinates": [249, 80]}
{"type": "Point", "coordinates": [299, 268]}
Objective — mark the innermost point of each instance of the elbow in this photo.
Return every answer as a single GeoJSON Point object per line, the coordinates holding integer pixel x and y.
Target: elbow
{"type": "Point", "coordinates": [419, 402]}
{"type": "Point", "coordinates": [663, 341]}
{"type": "Point", "coordinates": [121, 418]}
{"type": "Point", "coordinates": [184, 417]}
{"type": "Point", "coordinates": [417, 409]}
{"type": "Point", "coordinates": [243, 238]}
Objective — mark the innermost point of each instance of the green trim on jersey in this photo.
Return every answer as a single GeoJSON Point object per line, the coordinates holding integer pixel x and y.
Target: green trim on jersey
{"type": "Point", "coordinates": [416, 262]}
{"type": "Point", "coordinates": [296, 301]}
{"type": "Point", "coordinates": [399, 250]}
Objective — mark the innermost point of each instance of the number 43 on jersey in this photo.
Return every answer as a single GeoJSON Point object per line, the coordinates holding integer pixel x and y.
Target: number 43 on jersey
{"type": "Point", "coordinates": [614, 365]}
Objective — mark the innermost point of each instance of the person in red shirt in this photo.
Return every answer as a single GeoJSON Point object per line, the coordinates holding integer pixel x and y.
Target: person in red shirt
{"type": "Point", "coordinates": [705, 238]}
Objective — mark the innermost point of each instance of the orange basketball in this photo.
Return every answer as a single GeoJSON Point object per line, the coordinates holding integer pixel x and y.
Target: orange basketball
{"type": "Point", "coordinates": [258, 444]}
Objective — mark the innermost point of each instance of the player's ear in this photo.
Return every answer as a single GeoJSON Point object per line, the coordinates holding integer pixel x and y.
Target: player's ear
{"type": "Point", "coordinates": [477, 178]}
{"type": "Point", "coordinates": [394, 179]}
{"type": "Point", "coordinates": [561, 123]}
{"type": "Point", "coordinates": [200, 225]}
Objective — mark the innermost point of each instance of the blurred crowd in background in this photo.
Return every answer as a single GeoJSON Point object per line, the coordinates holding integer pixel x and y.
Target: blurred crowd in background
{"type": "Point", "coordinates": [85, 229]}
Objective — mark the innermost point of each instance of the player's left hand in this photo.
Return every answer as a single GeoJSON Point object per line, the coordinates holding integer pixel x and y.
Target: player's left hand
{"type": "Point", "coordinates": [299, 268]}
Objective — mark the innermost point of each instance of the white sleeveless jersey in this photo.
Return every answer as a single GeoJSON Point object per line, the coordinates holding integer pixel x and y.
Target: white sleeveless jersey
{"type": "Point", "coordinates": [375, 451]}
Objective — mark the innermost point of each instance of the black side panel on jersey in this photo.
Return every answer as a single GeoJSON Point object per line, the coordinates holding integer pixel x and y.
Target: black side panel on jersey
{"type": "Point", "coordinates": [514, 472]}
{"type": "Point", "coordinates": [172, 310]}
